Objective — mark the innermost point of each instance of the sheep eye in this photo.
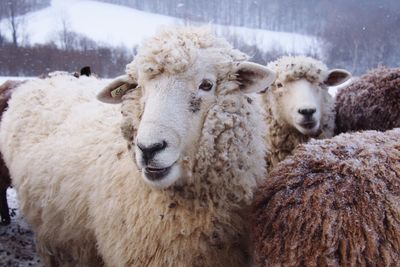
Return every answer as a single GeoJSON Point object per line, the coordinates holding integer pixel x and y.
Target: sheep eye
{"type": "Point", "coordinates": [279, 85]}
{"type": "Point", "coordinates": [206, 85]}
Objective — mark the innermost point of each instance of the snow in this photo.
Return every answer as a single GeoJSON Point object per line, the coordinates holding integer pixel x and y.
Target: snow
{"type": "Point", "coordinates": [6, 78]}
{"type": "Point", "coordinates": [17, 248]}
{"type": "Point", "coordinates": [116, 25]}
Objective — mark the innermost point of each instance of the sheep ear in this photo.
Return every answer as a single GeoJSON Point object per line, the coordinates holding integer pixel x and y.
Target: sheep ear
{"type": "Point", "coordinates": [336, 77]}
{"type": "Point", "coordinates": [254, 77]}
{"type": "Point", "coordinates": [113, 92]}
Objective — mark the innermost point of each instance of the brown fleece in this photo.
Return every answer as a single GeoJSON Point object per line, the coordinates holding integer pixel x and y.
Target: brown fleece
{"type": "Point", "coordinates": [370, 103]}
{"type": "Point", "coordinates": [335, 202]}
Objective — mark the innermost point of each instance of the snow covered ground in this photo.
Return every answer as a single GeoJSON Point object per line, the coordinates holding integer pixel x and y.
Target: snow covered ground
{"type": "Point", "coordinates": [17, 248]}
{"type": "Point", "coordinates": [123, 26]}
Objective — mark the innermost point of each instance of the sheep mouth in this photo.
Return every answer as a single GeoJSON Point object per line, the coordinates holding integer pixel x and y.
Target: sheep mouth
{"type": "Point", "coordinates": [308, 125]}
{"type": "Point", "coordinates": [154, 174]}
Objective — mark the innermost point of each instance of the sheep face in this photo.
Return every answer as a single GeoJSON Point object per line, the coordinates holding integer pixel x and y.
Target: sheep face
{"type": "Point", "coordinates": [299, 103]}
{"type": "Point", "coordinates": [173, 109]}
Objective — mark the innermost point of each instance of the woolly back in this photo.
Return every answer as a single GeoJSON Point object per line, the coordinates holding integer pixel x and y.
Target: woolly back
{"type": "Point", "coordinates": [370, 103]}
{"type": "Point", "coordinates": [333, 203]}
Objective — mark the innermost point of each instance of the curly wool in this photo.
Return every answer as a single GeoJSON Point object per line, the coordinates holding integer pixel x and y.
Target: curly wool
{"type": "Point", "coordinates": [282, 138]}
{"type": "Point", "coordinates": [95, 205]}
{"type": "Point", "coordinates": [291, 68]}
{"type": "Point", "coordinates": [335, 202]}
{"type": "Point", "coordinates": [370, 103]}
{"type": "Point", "coordinates": [157, 55]}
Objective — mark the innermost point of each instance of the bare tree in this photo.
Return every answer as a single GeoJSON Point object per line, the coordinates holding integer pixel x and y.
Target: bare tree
{"type": "Point", "coordinates": [12, 11]}
{"type": "Point", "coordinates": [65, 35]}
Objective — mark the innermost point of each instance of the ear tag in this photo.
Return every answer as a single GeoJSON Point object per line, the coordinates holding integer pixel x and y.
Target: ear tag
{"type": "Point", "coordinates": [116, 93]}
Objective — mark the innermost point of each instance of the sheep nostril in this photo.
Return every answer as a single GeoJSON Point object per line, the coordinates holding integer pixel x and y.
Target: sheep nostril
{"type": "Point", "coordinates": [307, 112]}
{"type": "Point", "coordinates": [150, 151]}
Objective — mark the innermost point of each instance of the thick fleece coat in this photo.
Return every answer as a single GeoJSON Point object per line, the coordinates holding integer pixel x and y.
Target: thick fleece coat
{"type": "Point", "coordinates": [370, 103]}
{"type": "Point", "coordinates": [281, 137]}
{"type": "Point", "coordinates": [335, 202]}
{"type": "Point", "coordinates": [85, 198]}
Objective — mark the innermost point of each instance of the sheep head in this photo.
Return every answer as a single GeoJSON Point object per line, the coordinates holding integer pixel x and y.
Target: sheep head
{"type": "Point", "coordinates": [299, 95]}
{"type": "Point", "coordinates": [177, 77]}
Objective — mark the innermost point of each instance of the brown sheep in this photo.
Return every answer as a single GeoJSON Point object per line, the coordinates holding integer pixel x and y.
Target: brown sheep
{"type": "Point", "coordinates": [335, 202]}
{"type": "Point", "coordinates": [370, 103]}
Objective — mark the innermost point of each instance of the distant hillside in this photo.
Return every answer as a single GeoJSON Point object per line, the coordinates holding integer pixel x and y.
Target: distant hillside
{"type": "Point", "coordinates": [303, 16]}
{"type": "Point", "coordinates": [69, 34]}
{"type": "Point", "coordinates": [352, 34]}
{"type": "Point", "coordinates": [116, 25]}
{"type": "Point", "coordinates": [360, 34]}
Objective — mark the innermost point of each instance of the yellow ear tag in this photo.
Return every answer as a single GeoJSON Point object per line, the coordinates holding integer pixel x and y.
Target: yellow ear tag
{"type": "Point", "coordinates": [119, 91]}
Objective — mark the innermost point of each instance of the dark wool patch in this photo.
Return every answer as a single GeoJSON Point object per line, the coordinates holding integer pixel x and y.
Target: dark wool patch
{"type": "Point", "coordinates": [333, 203]}
{"type": "Point", "coordinates": [195, 103]}
{"type": "Point", "coordinates": [370, 103]}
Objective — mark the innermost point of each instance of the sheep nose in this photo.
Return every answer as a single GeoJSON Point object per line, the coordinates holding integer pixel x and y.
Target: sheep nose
{"type": "Point", "coordinates": [307, 112]}
{"type": "Point", "coordinates": [148, 152]}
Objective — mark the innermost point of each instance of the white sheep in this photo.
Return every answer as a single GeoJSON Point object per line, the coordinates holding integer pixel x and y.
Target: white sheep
{"type": "Point", "coordinates": [196, 138]}
{"type": "Point", "coordinates": [298, 105]}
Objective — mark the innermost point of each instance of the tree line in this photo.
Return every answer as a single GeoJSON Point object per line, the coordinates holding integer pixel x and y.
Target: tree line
{"type": "Point", "coordinates": [41, 59]}
{"type": "Point", "coordinates": [357, 34]}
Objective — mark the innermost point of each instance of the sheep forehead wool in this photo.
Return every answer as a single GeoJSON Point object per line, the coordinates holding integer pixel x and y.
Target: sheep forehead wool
{"type": "Point", "coordinates": [290, 68]}
{"type": "Point", "coordinates": [175, 49]}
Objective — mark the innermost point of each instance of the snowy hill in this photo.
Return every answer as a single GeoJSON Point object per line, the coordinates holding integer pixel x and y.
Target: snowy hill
{"type": "Point", "coordinates": [116, 25]}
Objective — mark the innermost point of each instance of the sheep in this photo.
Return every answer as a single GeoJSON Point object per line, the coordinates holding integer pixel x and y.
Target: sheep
{"type": "Point", "coordinates": [370, 103]}
{"type": "Point", "coordinates": [168, 184]}
{"type": "Point", "coordinates": [335, 202]}
{"type": "Point", "coordinates": [298, 105]}
{"type": "Point", "coordinates": [84, 71]}
{"type": "Point", "coordinates": [5, 92]}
